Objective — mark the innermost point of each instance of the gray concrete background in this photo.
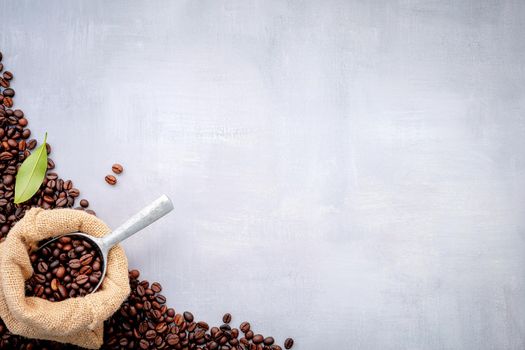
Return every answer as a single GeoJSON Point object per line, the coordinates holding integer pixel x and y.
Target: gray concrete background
{"type": "Point", "coordinates": [349, 173]}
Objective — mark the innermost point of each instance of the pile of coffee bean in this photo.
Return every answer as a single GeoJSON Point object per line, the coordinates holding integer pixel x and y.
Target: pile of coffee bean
{"type": "Point", "coordinates": [15, 146]}
{"type": "Point", "coordinates": [144, 321]}
{"type": "Point", "coordinates": [64, 268]}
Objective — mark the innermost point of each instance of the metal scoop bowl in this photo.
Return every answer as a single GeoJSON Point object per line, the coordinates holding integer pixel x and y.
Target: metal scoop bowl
{"type": "Point", "coordinates": [148, 215]}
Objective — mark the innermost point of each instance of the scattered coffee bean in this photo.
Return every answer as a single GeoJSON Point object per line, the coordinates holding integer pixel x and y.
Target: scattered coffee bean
{"type": "Point", "coordinates": [117, 168]}
{"type": "Point", "coordinates": [110, 179]}
{"type": "Point", "coordinates": [84, 203]}
{"type": "Point", "coordinates": [227, 318]}
{"type": "Point", "coordinates": [288, 343]}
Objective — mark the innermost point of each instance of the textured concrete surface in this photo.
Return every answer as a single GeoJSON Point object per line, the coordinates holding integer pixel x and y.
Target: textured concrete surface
{"type": "Point", "coordinates": [349, 173]}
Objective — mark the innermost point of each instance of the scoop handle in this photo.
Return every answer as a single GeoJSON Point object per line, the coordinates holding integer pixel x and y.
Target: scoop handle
{"type": "Point", "coordinates": [148, 215]}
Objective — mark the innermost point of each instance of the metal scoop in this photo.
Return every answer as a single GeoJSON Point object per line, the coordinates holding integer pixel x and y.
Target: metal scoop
{"type": "Point", "coordinates": [148, 215]}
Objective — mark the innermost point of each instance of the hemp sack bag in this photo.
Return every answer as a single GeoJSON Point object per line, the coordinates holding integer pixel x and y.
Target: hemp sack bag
{"type": "Point", "coordinates": [77, 321]}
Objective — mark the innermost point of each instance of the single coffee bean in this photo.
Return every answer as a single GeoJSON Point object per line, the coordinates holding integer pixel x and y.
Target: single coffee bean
{"type": "Point", "coordinates": [74, 192]}
{"type": "Point", "coordinates": [188, 316]}
{"type": "Point", "coordinates": [117, 168]}
{"type": "Point", "coordinates": [42, 267]}
{"type": "Point", "coordinates": [84, 203]}
{"type": "Point", "coordinates": [85, 270]}
{"type": "Point", "coordinates": [172, 339]}
{"type": "Point", "coordinates": [8, 102]}
{"type": "Point", "coordinates": [86, 259]}
{"type": "Point", "coordinates": [110, 179]}
{"type": "Point", "coordinates": [245, 327]}
{"type": "Point", "coordinates": [75, 263]}
{"type": "Point", "coordinates": [144, 344]}
{"type": "Point", "coordinates": [227, 318]}
{"type": "Point", "coordinates": [258, 338]}
{"type": "Point", "coordinates": [4, 83]}
{"type": "Point", "coordinates": [8, 92]}
{"type": "Point", "coordinates": [7, 75]}
{"type": "Point", "coordinates": [61, 202]}
{"type": "Point", "coordinates": [288, 343]}
{"type": "Point", "coordinates": [269, 341]}
{"type": "Point", "coordinates": [62, 291]}
{"type": "Point", "coordinates": [39, 290]}
{"type": "Point", "coordinates": [54, 284]}
{"type": "Point", "coordinates": [81, 279]}
{"type": "Point", "coordinates": [156, 287]}
{"type": "Point", "coordinates": [61, 271]}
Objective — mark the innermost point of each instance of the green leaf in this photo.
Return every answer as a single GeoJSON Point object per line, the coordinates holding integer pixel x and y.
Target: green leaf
{"type": "Point", "coordinates": [31, 174]}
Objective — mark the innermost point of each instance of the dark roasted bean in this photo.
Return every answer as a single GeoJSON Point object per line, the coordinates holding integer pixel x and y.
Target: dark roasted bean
{"type": "Point", "coordinates": [227, 318]}
{"type": "Point", "coordinates": [7, 75]}
{"type": "Point", "coordinates": [188, 316]}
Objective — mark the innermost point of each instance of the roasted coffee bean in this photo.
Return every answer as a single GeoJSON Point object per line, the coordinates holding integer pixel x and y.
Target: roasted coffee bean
{"type": "Point", "coordinates": [58, 262]}
{"type": "Point", "coordinates": [61, 202]}
{"type": "Point", "coordinates": [60, 272]}
{"type": "Point", "coordinates": [288, 343]}
{"type": "Point", "coordinates": [257, 339]}
{"type": "Point", "coordinates": [227, 318]}
{"type": "Point", "coordinates": [156, 287]}
{"type": "Point", "coordinates": [42, 267]}
{"type": "Point", "coordinates": [188, 316]}
{"type": "Point", "coordinates": [81, 279]}
{"type": "Point", "coordinates": [4, 83]}
{"type": "Point", "coordinates": [84, 203]}
{"type": "Point", "coordinates": [8, 102]}
{"type": "Point", "coordinates": [269, 341]}
{"type": "Point", "coordinates": [74, 263]}
{"type": "Point", "coordinates": [74, 192]}
{"type": "Point", "coordinates": [117, 168]}
{"type": "Point", "coordinates": [31, 144]}
{"type": "Point", "coordinates": [110, 179]}
{"type": "Point", "coordinates": [7, 75]}
{"type": "Point", "coordinates": [86, 259]}
{"type": "Point", "coordinates": [8, 92]}
{"type": "Point", "coordinates": [245, 327]}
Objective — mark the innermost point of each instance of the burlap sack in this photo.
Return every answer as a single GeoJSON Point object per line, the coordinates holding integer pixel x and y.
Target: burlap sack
{"type": "Point", "coordinates": [77, 321]}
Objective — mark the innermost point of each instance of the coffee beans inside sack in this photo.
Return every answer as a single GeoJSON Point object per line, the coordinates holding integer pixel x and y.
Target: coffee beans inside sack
{"type": "Point", "coordinates": [65, 268]}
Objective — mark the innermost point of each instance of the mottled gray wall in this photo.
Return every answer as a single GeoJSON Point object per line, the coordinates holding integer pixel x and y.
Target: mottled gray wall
{"type": "Point", "coordinates": [349, 173]}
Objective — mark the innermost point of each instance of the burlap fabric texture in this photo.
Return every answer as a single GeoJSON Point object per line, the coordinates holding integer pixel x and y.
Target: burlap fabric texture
{"type": "Point", "coordinates": [77, 321]}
